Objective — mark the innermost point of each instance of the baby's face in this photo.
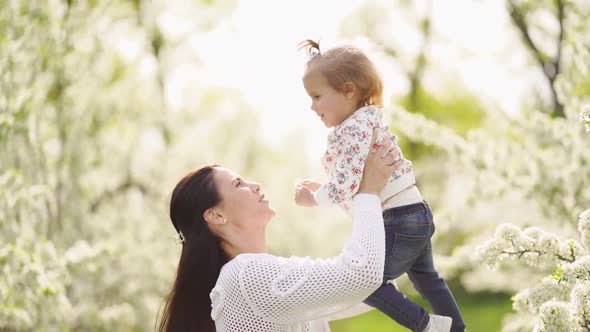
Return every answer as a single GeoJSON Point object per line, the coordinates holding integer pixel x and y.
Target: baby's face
{"type": "Point", "coordinates": [332, 106]}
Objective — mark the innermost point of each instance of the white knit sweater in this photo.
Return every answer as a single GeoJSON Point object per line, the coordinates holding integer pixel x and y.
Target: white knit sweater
{"type": "Point", "coordinates": [262, 292]}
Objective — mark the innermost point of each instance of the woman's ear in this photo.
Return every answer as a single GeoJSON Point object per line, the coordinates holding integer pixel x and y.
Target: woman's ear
{"type": "Point", "coordinates": [214, 216]}
{"type": "Point", "coordinates": [349, 90]}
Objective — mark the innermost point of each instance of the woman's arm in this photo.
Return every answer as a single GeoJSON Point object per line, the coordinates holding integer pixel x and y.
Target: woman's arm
{"type": "Point", "coordinates": [296, 290]}
{"type": "Point", "coordinates": [359, 309]}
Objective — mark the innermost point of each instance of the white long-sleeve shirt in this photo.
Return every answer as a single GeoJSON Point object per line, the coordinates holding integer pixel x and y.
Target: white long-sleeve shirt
{"type": "Point", "coordinates": [266, 293]}
{"type": "Point", "coordinates": [344, 160]}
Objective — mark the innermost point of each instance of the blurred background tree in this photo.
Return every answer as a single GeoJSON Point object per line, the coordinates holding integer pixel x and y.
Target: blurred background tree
{"type": "Point", "coordinates": [104, 105]}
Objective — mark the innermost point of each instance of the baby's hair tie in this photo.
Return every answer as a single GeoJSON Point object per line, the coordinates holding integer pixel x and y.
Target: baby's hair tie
{"type": "Point", "coordinates": [313, 48]}
{"type": "Point", "coordinates": [313, 52]}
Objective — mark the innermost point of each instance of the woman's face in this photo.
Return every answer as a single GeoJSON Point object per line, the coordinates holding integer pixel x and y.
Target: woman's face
{"type": "Point", "coordinates": [242, 203]}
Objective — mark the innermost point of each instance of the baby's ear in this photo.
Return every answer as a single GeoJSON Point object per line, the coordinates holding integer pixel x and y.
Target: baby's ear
{"type": "Point", "coordinates": [349, 90]}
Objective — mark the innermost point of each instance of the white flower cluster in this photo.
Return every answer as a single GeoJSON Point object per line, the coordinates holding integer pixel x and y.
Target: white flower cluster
{"type": "Point", "coordinates": [533, 246]}
{"type": "Point", "coordinates": [585, 117]}
{"type": "Point", "coordinates": [533, 298]}
{"type": "Point", "coordinates": [576, 271]}
{"type": "Point", "coordinates": [555, 317]}
{"type": "Point", "coordinates": [584, 227]}
{"type": "Point", "coordinates": [560, 302]}
{"type": "Point", "coordinates": [580, 300]}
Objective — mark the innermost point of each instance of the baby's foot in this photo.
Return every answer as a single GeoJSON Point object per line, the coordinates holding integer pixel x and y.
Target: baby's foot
{"type": "Point", "coordinates": [439, 324]}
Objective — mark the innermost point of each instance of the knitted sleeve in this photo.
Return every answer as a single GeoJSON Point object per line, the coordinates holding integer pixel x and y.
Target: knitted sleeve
{"type": "Point", "coordinates": [292, 290]}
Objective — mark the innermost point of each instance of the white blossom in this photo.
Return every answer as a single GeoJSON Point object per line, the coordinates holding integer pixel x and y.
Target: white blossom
{"type": "Point", "coordinates": [585, 117]}
{"type": "Point", "coordinates": [508, 232]}
{"type": "Point", "coordinates": [584, 228]}
{"type": "Point", "coordinates": [555, 317]}
{"type": "Point", "coordinates": [580, 302]}
{"type": "Point", "coordinates": [578, 270]}
{"type": "Point", "coordinates": [490, 251]}
{"type": "Point", "coordinates": [531, 299]}
{"type": "Point", "coordinates": [80, 252]}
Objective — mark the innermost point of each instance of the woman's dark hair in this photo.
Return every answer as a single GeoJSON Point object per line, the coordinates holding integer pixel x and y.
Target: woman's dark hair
{"type": "Point", "coordinates": [188, 307]}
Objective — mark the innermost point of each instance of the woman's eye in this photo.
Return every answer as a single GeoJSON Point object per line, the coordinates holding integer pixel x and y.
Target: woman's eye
{"type": "Point", "coordinates": [238, 183]}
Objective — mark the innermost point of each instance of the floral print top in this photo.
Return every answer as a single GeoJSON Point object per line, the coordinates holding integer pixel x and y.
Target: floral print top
{"type": "Point", "coordinates": [345, 156]}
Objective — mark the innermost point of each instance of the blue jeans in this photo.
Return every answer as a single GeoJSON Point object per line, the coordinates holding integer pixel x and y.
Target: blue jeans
{"type": "Point", "coordinates": [408, 249]}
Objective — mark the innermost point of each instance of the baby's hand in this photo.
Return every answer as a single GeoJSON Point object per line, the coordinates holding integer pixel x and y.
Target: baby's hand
{"type": "Point", "coordinates": [304, 196]}
{"type": "Point", "coordinates": [309, 184]}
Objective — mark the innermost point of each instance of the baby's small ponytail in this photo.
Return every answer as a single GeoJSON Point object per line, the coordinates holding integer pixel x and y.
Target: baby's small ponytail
{"type": "Point", "coordinates": [313, 47]}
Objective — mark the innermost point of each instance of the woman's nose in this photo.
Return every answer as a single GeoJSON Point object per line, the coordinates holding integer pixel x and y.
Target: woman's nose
{"type": "Point", "coordinates": [256, 187]}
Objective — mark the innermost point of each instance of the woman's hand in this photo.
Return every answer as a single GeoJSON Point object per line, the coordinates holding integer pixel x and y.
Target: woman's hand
{"type": "Point", "coordinates": [381, 162]}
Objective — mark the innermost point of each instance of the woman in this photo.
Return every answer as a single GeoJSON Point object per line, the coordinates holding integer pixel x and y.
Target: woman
{"type": "Point", "coordinates": [226, 281]}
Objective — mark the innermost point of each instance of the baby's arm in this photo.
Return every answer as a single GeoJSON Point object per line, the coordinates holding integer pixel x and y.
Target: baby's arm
{"type": "Point", "coordinates": [304, 193]}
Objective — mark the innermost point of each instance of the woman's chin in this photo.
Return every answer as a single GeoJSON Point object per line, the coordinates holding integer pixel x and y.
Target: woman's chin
{"type": "Point", "coordinates": [271, 213]}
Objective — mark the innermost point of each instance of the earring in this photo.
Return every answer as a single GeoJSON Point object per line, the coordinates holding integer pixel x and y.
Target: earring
{"type": "Point", "coordinates": [223, 221]}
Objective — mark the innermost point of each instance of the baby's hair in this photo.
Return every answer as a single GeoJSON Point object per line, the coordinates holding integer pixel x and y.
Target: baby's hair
{"type": "Point", "coordinates": [343, 64]}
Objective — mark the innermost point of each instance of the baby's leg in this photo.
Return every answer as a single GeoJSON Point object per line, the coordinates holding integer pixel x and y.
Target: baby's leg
{"type": "Point", "coordinates": [407, 233]}
{"type": "Point", "coordinates": [397, 306]}
{"type": "Point", "coordinates": [434, 289]}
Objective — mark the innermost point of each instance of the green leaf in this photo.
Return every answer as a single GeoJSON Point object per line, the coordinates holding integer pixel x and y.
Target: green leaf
{"type": "Point", "coordinates": [557, 274]}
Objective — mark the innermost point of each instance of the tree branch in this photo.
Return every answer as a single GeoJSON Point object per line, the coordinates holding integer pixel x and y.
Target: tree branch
{"type": "Point", "coordinates": [560, 36]}
{"type": "Point", "coordinates": [522, 252]}
{"type": "Point", "coordinates": [520, 22]}
{"type": "Point", "coordinates": [549, 66]}
{"type": "Point", "coordinates": [123, 187]}
{"type": "Point", "coordinates": [416, 75]}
